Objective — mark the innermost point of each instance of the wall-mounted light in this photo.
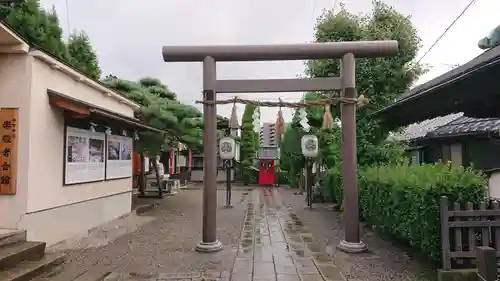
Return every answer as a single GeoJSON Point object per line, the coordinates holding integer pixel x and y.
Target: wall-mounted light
{"type": "Point", "coordinates": [136, 136]}
{"type": "Point", "coordinates": [92, 127]}
{"type": "Point", "coordinates": [108, 131]}
{"type": "Point", "coordinates": [124, 133]}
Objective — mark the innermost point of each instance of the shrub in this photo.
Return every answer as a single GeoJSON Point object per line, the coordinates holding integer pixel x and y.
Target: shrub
{"type": "Point", "coordinates": [282, 177]}
{"type": "Point", "coordinates": [331, 186]}
{"type": "Point", "coordinates": [246, 172]}
{"type": "Point", "coordinates": [293, 179]}
{"type": "Point", "coordinates": [402, 200]}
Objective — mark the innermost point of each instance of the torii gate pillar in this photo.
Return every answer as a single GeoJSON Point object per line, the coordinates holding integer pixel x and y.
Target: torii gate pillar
{"type": "Point", "coordinates": [347, 51]}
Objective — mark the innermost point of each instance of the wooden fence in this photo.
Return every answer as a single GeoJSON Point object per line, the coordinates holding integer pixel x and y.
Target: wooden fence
{"type": "Point", "coordinates": [464, 228]}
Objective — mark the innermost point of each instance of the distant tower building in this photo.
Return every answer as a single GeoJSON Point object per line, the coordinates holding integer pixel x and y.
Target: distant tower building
{"type": "Point", "coordinates": [267, 135]}
{"type": "Point", "coordinates": [268, 154]}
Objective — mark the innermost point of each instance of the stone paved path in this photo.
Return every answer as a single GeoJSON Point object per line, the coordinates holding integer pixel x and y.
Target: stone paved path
{"type": "Point", "coordinates": [383, 261]}
{"type": "Point", "coordinates": [274, 246]}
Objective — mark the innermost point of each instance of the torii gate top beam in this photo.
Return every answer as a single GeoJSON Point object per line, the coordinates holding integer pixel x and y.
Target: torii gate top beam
{"type": "Point", "coordinates": [305, 51]}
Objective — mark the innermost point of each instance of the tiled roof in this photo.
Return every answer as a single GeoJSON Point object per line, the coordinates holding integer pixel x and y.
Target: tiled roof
{"type": "Point", "coordinates": [444, 94]}
{"type": "Point", "coordinates": [450, 125]}
{"type": "Point", "coordinates": [421, 129]}
{"type": "Point", "coordinates": [467, 125]}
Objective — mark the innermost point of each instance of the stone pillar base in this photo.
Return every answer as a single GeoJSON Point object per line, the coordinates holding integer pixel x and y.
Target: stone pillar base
{"type": "Point", "coordinates": [209, 247]}
{"type": "Point", "coordinates": [352, 248]}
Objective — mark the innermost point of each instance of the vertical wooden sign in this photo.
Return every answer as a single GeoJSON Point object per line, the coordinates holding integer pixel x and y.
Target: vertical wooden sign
{"type": "Point", "coordinates": [9, 118]}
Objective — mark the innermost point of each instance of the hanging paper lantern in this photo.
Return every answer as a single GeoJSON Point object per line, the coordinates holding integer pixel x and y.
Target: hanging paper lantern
{"type": "Point", "coordinates": [227, 148]}
{"type": "Point", "coordinates": [309, 145]}
{"type": "Point", "coordinates": [327, 119]}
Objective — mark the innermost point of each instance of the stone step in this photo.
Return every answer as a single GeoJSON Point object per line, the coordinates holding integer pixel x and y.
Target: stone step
{"type": "Point", "coordinates": [73, 274]}
{"type": "Point", "coordinates": [60, 272]}
{"type": "Point", "coordinates": [28, 270]}
{"type": "Point", "coordinates": [91, 275]}
{"type": "Point", "coordinates": [10, 236]}
{"type": "Point", "coordinates": [13, 254]}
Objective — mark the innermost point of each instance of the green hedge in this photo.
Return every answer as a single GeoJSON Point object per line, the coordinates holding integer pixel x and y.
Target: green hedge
{"type": "Point", "coordinates": [282, 177]}
{"type": "Point", "coordinates": [403, 200]}
{"type": "Point", "coordinates": [331, 185]}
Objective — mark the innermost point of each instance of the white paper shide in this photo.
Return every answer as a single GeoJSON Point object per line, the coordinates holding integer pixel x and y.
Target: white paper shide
{"type": "Point", "coordinates": [309, 145]}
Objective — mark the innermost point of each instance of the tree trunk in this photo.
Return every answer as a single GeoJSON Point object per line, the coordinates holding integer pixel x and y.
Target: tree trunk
{"type": "Point", "coordinates": [142, 176]}
{"type": "Point", "coordinates": [158, 180]}
{"type": "Point", "coordinates": [318, 169]}
{"type": "Point", "coordinates": [228, 183]}
{"type": "Point", "coordinates": [308, 182]}
{"type": "Point", "coordinates": [302, 184]}
{"type": "Point", "coordinates": [246, 176]}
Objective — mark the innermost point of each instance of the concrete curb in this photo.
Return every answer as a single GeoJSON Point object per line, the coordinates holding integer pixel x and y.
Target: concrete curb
{"type": "Point", "coordinates": [145, 208]}
{"type": "Point", "coordinates": [233, 189]}
{"type": "Point", "coordinates": [236, 186]}
{"type": "Point", "coordinates": [148, 207]}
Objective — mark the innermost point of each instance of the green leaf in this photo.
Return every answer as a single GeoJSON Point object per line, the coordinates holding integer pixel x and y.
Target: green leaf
{"type": "Point", "coordinates": [82, 55]}
{"type": "Point", "coordinates": [379, 79]}
{"type": "Point", "coordinates": [161, 110]}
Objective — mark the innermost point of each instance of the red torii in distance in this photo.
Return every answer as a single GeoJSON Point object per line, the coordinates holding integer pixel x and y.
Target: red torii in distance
{"type": "Point", "coordinates": [346, 51]}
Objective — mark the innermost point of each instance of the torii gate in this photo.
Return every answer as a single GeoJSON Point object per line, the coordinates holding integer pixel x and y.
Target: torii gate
{"type": "Point", "coordinates": [346, 51]}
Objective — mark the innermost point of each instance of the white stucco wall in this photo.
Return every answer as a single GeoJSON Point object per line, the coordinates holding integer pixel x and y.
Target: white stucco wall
{"type": "Point", "coordinates": [55, 225]}
{"type": "Point", "coordinates": [54, 211]}
{"type": "Point", "coordinates": [494, 185]}
{"type": "Point", "coordinates": [60, 81]}
{"type": "Point", "coordinates": [15, 85]}
{"type": "Point", "coordinates": [47, 142]}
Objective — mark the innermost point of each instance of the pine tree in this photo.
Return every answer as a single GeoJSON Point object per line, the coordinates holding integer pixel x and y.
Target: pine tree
{"type": "Point", "coordinates": [248, 143]}
{"type": "Point", "coordinates": [40, 28]}
{"type": "Point", "coordinates": [82, 55]}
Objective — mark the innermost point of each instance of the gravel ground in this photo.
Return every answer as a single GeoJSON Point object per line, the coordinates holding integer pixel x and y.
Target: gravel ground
{"type": "Point", "coordinates": [383, 261]}
{"type": "Point", "coordinates": [162, 240]}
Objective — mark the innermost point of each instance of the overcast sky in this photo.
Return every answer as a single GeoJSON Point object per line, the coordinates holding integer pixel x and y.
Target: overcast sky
{"type": "Point", "coordinates": [128, 35]}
